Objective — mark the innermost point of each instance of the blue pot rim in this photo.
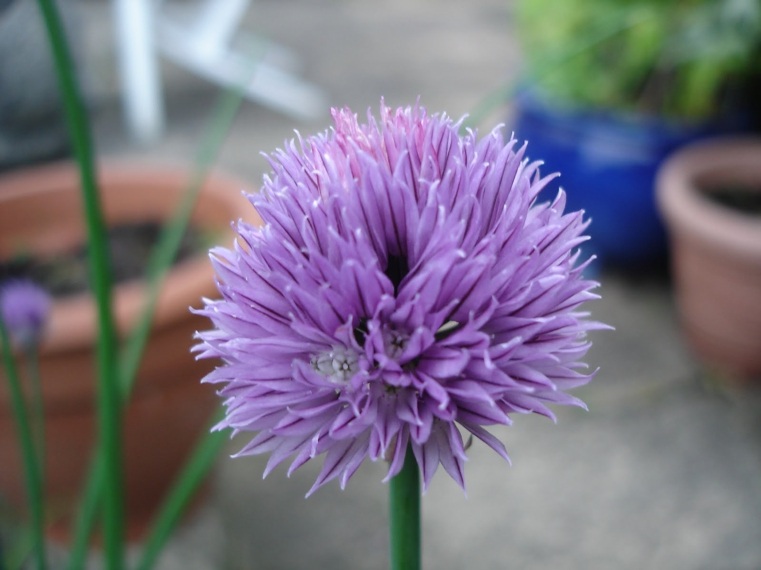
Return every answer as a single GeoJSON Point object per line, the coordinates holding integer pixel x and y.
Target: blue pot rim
{"type": "Point", "coordinates": [618, 124]}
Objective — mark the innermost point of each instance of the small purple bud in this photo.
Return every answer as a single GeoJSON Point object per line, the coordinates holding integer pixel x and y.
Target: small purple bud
{"type": "Point", "coordinates": [24, 307]}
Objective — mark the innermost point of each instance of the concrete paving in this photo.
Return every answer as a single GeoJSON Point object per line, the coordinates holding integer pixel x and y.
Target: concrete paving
{"type": "Point", "coordinates": [663, 472]}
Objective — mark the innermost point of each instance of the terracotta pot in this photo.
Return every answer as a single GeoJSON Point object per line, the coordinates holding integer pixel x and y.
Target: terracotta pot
{"type": "Point", "coordinates": [716, 253]}
{"type": "Point", "coordinates": [40, 211]}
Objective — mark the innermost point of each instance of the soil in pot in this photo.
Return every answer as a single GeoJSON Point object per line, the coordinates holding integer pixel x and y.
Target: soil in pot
{"type": "Point", "coordinates": [129, 244]}
{"type": "Point", "coordinates": [740, 199]}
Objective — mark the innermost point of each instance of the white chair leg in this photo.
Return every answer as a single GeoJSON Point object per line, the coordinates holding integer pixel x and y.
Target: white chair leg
{"type": "Point", "coordinates": [137, 57]}
{"type": "Point", "coordinates": [202, 41]}
{"type": "Point", "coordinates": [216, 23]}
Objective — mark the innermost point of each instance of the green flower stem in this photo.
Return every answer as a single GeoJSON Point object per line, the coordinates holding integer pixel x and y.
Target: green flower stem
{"type": "Point", "coordinates": [169, 242]}
{"type": "Point", "coordinates": [21, 548]}
{"type": "Point", "coordinates": [87, 513]}
{"type": "Point", "coordinates": [32, 475]}
{"type": "Point", "coordinates": [405, 516]}
{"type": "Point", "coordinates": [202, 460]}
{"type": "Point", "coordinates": [161, 258]}
{"type": "Point", "coordinates": [38, 405]}
{"type": "Point", "coordinates": [108, 401]}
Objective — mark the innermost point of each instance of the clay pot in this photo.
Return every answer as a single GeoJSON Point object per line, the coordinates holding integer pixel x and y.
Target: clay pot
{"type": "Point", "coordinates": [716, 253]}
{"type": "Point", "coordinates": [40, 211]}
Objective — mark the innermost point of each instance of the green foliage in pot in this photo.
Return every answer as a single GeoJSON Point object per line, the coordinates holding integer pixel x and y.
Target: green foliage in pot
{"type": "Point", "coordinates": [683, 59]}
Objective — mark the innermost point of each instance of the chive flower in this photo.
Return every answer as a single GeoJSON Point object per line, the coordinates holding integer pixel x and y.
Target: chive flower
{"type": "Point", "coordinates": [406, 288]}
{"type": "Point", "coordinates": [24, 307]}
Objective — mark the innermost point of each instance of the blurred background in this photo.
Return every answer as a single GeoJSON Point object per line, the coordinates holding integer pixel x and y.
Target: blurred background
{"type": "Point", "coordinates": [664, 471]}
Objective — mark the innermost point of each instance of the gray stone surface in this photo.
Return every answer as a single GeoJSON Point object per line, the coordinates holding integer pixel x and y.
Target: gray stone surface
{"type": "Point", "coordinates": [32, 126]}
{"type": "Point", "coordinates": [663, 472]}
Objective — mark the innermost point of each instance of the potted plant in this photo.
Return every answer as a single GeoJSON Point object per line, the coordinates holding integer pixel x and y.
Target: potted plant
{"type": "Point", "coordinates": [710, 197]}
{"type": "Point", "coordinates": [121, 355]}
{"type": "Point", "coordinates": [41, 216]}
{"type": "Point", "coordinates": [611, 88]}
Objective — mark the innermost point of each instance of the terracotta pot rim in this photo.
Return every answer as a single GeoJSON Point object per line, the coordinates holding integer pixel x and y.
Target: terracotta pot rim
{"type": "Point", "coordinates": [184, 285]}
{"type": "Point", "coordinates": [691, 214]}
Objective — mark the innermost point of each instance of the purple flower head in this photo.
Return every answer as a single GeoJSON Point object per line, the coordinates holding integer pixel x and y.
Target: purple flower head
{"type": "Point", "coordinates": [24, 307]}
{"type": "Point", "coordinates": [405, 289]}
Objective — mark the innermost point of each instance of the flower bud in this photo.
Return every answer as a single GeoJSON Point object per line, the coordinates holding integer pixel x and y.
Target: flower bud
{"type": "Point", "coordinates": [24, 307]}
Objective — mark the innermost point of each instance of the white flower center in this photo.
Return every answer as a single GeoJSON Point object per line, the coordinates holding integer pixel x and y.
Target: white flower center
{"type": "Point", "coordinates": [337, 365]}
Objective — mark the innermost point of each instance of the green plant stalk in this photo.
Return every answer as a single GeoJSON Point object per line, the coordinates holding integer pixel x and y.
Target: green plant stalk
{"type": "Point", "coordinates": [108, 400]}
{"type": "Point", "coordinates": [202, 460]}
{"type": "Point", "coordinates": [32, 475]}
{"type": "Point", "coordinates": [21, 548]}
{"type": "Point", "coordinates": [169, 242]}
{"type": "Point", "coordinates": [184, 487]}
{"type": "Point", "coordinates": [161, 258]}
{"type": "Point", "coordinates": [38, 405]}
{"type": "Point", "coordinates": [87, 513]}
{"type": "Point", "coordinates": [404, 516]}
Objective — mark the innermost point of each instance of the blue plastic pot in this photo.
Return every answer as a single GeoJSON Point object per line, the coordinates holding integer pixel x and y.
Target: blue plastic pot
{"type": "Point", "coordinates": [608, 164]}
